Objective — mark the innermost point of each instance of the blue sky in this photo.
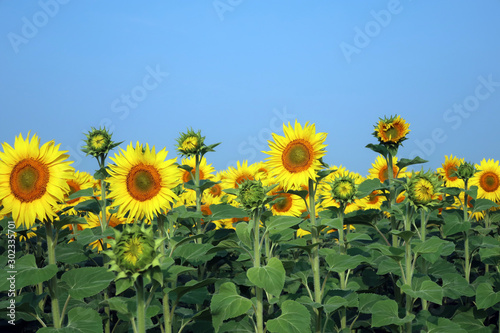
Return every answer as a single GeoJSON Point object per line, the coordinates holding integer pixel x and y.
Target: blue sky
{"type": "Point", "coordinates": [238, 69]}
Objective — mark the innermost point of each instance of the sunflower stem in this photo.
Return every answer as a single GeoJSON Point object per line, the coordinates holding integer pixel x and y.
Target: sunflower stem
{"type": "Point", "coordinates": [259, 313]}
{"type": "Point", "coordinates": [467, 266]}
{"type": "Point", "coordinates": [54, 301]}
{"type": "Point", "coordinates": [342, 275]}
{"type": "Point", "coordinates": [198, 192]}
{"type": "Point", "coordinates": [315, 253]}
{"type": "Point", "coordinates": [423, 234]}
{"type": "Point", "coordinates": [141, 311]}
{"type": "Point", "coordinates": [409, 271]}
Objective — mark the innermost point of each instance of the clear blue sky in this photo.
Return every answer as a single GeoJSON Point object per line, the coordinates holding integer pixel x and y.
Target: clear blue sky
{"type": "Point", "coordinates": [236, 69]}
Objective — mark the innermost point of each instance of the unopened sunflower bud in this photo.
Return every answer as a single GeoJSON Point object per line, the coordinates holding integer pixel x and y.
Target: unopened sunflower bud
{"type": "Point", "coordinates": [344, 189]}
{"type": "Point", "coordinates": [465, 171]}
{"type": "Point", "coordinates": [252, 194]}
{"type": "Point", "coordinates": [424, 189]}
{"type": "Point", "coordinates": [98, 142]}
{"type": "Point", "coordinates": [190, 143]}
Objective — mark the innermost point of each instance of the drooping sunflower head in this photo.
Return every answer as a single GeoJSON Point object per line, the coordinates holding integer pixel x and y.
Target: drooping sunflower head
{"type": "Point", "coordinates": [33, 180]}
{"type": "Point", "coordinates": [252, 194]}
{"type": "Point", "coordinates": [391, 131]}
{"type": "Point", "coordinates": [296, 157]}
{"type": "Point", "coordinates": [423, 189]}
{"type": "Point", "coordinates": [190, 142]}
{"type": "Point", "coordinates": [141, 181]}
{"type": "Point", "coordinates": [98, 142]}
{"type": "Point", "coordinates": [487, 179]}
{"type": "Point", "coordinates": [134, 252]}
{"type": "Point", "coordinates": [449, 171]}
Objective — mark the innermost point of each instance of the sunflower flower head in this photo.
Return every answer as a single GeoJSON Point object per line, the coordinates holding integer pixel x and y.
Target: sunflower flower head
{"type": "Point", "coordinates": [98, 142]}
{"type": "Point", "coordinates": [296, 157]}
{"type": "Point", "coordinates": [134, 252]}
{"type": "Point", "coordinates": [190, 143]}
{"type": "Point", "coordinates": [392, 131]}
{"type": "Point", "coordinates": [423, 189]}
{"type": "Point", "coordinates": [344, 189]}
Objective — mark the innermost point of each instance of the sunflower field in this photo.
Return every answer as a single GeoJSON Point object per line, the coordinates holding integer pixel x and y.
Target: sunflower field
{"type": "Point", "coordinates": [152, 243]}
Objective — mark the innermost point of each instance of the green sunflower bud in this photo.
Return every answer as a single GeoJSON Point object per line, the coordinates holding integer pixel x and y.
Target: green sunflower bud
{"type": "Point", "coordinates": [98, 142]}
{"type": "Point", "coordinates": [423, 189]}
{"type": "Point", "coordinates": [465, 171]}
{"type": "Point", "coordinates": [252, 194]}
{"type": "Point", "coordinates": [134, 252]}
{"type": "Point", "coordinates": [190, 143]}
{"type": "Point", "coordinates": [344, 189]}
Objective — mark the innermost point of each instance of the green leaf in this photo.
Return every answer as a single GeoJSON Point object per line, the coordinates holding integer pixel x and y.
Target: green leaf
{"type": "Point", "coordinates": [295, 318]}
{"type": "Point", "coordinates": [87, 281]}
{"type": "Point", "coordinates": [455, 286]}
{"type": "Point", "coordinates": [404, 162]}
{"type": "Point", "coordinates": [454, 223]}
{"type": "Point", "coordinates": [354, 236]}
{"type": "Point", "coordinates": [386, 313]}
{"type": "Point", "coordinates": [427, 290]}
{"type": "Point", "coordinates": [195, 253]}
{"type": "Point", "coordinates": [92, 206]}
{"type": "Point", "coordinates": [470, 323]}
{"type": "Point", "coordinates": [405, 235]}
{"type": "Point", "coordinates": [243, 232]}
{"type": "Point", "coordinates": [88, 192]}
{"type": "Point", "coordinates": [69, 219]}
{"type": "Point", "coordinates": [443, 325]}
{"type": "Point", "coordinates": [342, 262]}
{"type": "Point", "coordinates": [270, 277]}
{"type": "Point", "coordinates": [366, 301]}
{"type": "Point", "coordinates": [334, 303]}
{"type": "Point", "coordinates": [480, 205]}
{"type": "Point", "coordinates": [276, 224]}
{"type": "Point", "coordinates": [121, 304]}
{"type": "Point", "coordinates": [28, 274]}
{"type": "Point", "coordinates": [227, 304]}
{"type": "Point", "coordinates": [472, 191]}
{"type": "Point", "coordinates": [368, 186]}
{"type": "Point", "coordinates": [485, 296]}
{"type": "Point", "coordinates": [381, 149]}
{"type": "Point", "coordinates": [431, 245]}
{"type": "Point", "coordinates": [335, 223]}
{"type": "Point", "coordinates": [70, 253]}
{"type": "Point", "coordinates": [225, 211]}
{"type": "Point", "coordinates": [80, 320]}
{"type": "Point", "coordinates": [182, 290]}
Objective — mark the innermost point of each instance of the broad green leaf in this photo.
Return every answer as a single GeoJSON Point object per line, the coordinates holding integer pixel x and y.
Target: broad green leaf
{"type": "Point", "coordinates": [28, 274]}
{"type": "Point", "coordinates": [88, 192]}
{"type": "Point", "coordinates": [335, 223]}
{"type": "Point", "coordinates": [225, 211]}
{"type": "Point", "coordinates": [295, 318]}
{"type": "Point", "coordinates": [427, 290]}
{"type": "Point", "coordinates": [70, 253]}
{"type": "Point", "coordinates": [395, 253]}
{"type": "Point", "coordinates": [482, 204]}
{"type": "Point", "coordinates": [87, 281]}
{"type": "Point", "coordinates": [277, 224]}
{"type": "Point", "coordinates": [454, 224]}
{"type": "Point", "coordinates": [405, 235]}
{"type": "Point", "coordinates": [470, 323]}
{"type": "Point", "coordinates": [121, 304]}
{"type": "Point", "coordinates": [342, 262]}
{"type": "Point", "coordinates": [80, 320]}
{"type": "Point", "coordinates": [270, 277]}
{"type": "Point", "coordinates": [404, 162]}
{"type": "Point", "coordinates": [180, 291]}
{"type": "Point", "coordinates": [368, 186]}
{"type": "Point", "coordinates": [227, 304]}
{"type": "Point", "coordinates": [194, 253]}
{"type": "Point", "coordinates": [485, 296]}
{"type": "Point", "coordinates": [366, 301]}
{"type": "Point", "coordinates": [431, 245]}
{"type": "Point", "coordinates": [443, 325]}
{"type": "Point", "coordinates": [455, 286]}
{"type": "Point", "coordinates": [334, 303]}
{"type": "Point", "coordinates": [243, 233]}
{"type": "Point", "coordinates": [385, 313]}
{"type": "Point", "coordinates": [238, 326]}
{"type": "Point", "coordinates": [355, 236]}
{"type": "Point", "coordinates": [69, 219]}
{"type": "Point", "coordinates": [91, 205]}
{"type": "Point", "coordinates": [378, 148]}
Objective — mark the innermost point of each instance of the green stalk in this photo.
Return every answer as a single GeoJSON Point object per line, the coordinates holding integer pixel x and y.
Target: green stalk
{"type": "Point", "coordinates": [467, 265]}
{"type": "Point", "coordinates": [315, 253]}
{"type": "Point", "coordinates": [392, 197]}
{"type": "Point", "coordinates": [166, 306]}
{"type": "Point", "coordinates": [141, 310]}
{"type": "Point", "coordinates": [104, 225]}
{"type": "Point", "coordinates": [51, 249]}
{"type": "Point", "coordinates": [259, 313]}
{"type": "Point", "coordinates": [198, 192]}
{"type": "Point", "coordinates": [423, 235]}
{"type": "Point", "coordinates": [343, 277]}
{"type": "Point", "coordinates": [409, 271]}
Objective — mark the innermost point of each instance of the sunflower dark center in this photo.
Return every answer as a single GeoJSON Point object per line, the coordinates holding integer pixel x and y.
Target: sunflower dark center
{"type": "Point", "coordinates": [489, 182]}
{"type": "Point", "coordinates": [29, 179]}
{"type": "Point", "coordinates": [297, 156]}
{"type": "Point", "coordinates": [450, 171]}
{"type": "Point", "coordinates": [143, 182]}
{"type": "Point", "coordinates": [73, 187]}
{"type": "Point", "coordinates": [284, 203]}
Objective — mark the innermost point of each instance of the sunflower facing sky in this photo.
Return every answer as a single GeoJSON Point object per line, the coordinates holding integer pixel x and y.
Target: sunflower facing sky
{"type": "Point", "coordinates": [295, 158]}
{"type": "Point", "coordinates": [391, 131]}
{"type": "Point", "coordinates": [33, 179]}
{"type": "Point", "coordinates": [487, 179]}
{"type": "Point", "coordinates": [141, 181]}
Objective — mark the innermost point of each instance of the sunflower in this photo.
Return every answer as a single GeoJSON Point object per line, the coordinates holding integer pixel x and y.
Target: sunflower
{"type": "Point", "coordinates": [373, 201]}
{"type": "Point", "coordinates": [380, 169]}
{"type": "Point", "coordinates": [340, 186]}
{"type": "Point", "coordinates": [33, 179]}
{"type": "Point", "coordinates": [79, 181]}
{"type": "Point", "coordinates": [141, 181]}
{"type": "Point", "coordinates": [287, 203]}
{"type": "Point", "coordinates": [296, 157]}
{"type": "Point", "coordinates": [424, 189]}
{"type": "Point", "coordinates": [206, 171]}
{"type": "Point", "coordinates": [487, 179]}
{"type": "Point", "coordinates": [391, 131]}
{"type": "Point", "coordinates": [93, 221]}
{"type": "Point", "coordinates": [235, 176]}
{"type": "Point", "coordinates": [449, 167]}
